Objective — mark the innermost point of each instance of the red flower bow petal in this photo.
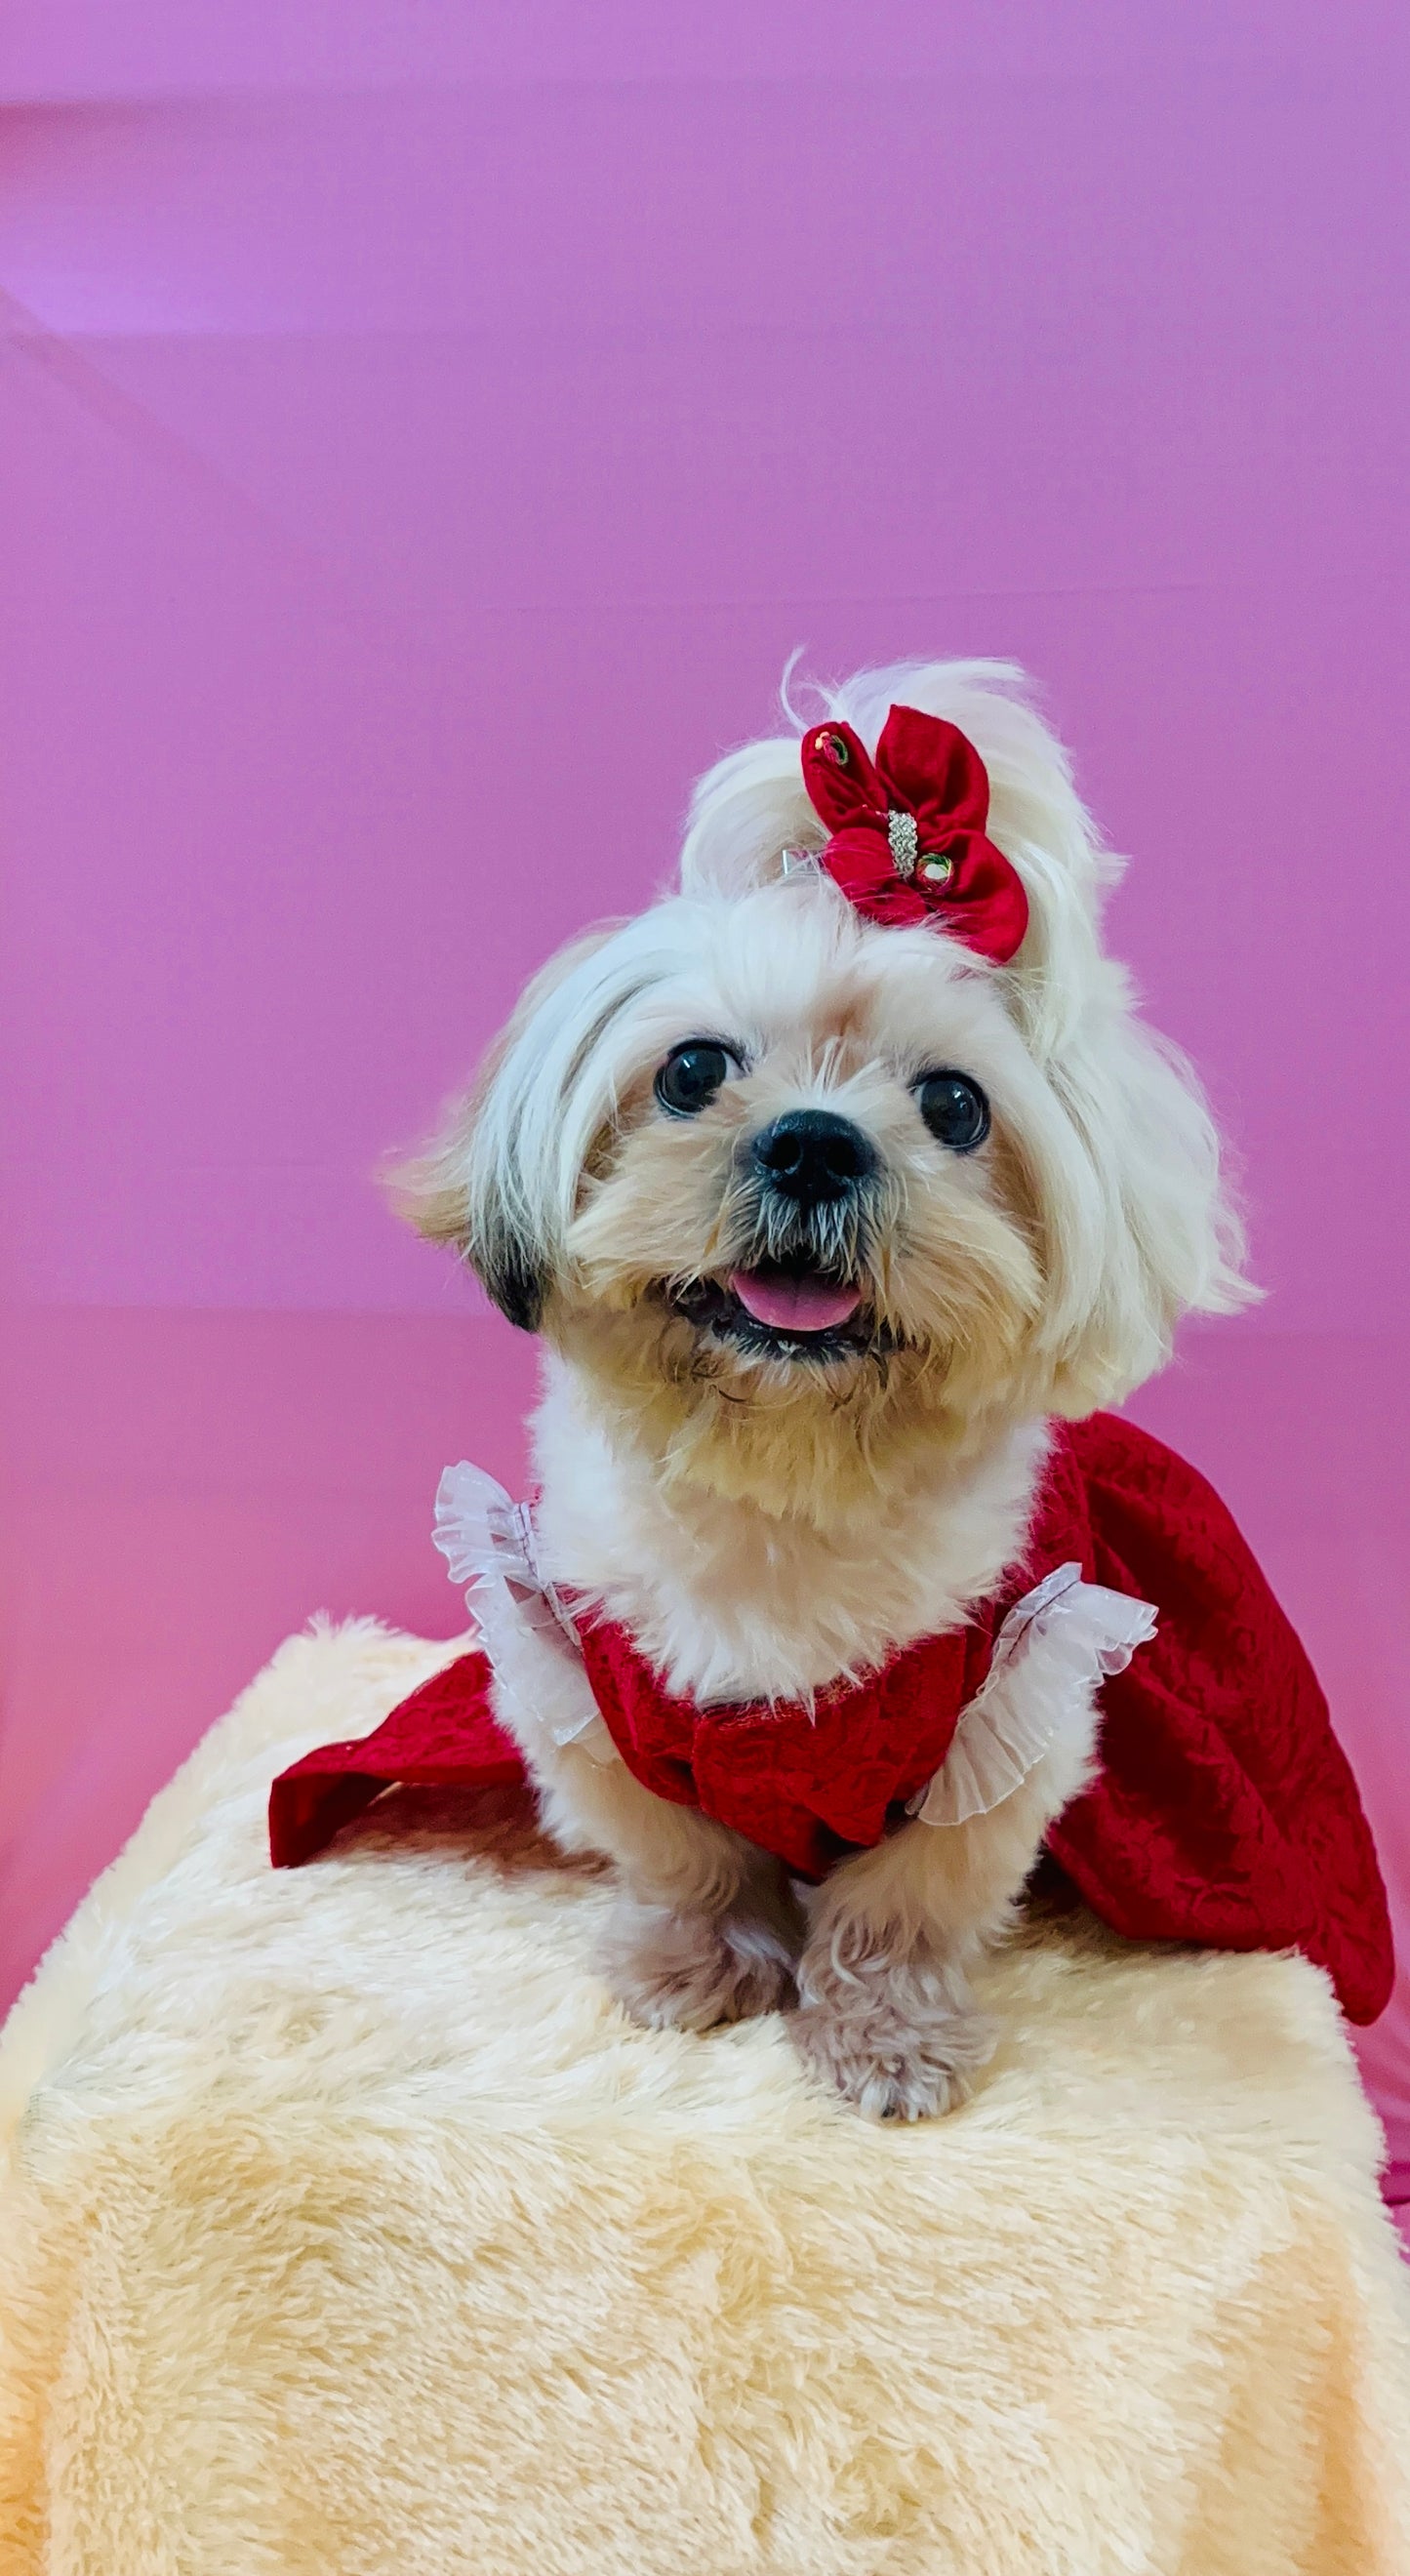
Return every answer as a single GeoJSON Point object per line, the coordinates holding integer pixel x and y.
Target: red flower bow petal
{"type": "Point", "coordinates": [932, 770]}
{"type": "Point", "coordinates": [841, 777]}
{"type": "Point", "coordinates": [908, 832]}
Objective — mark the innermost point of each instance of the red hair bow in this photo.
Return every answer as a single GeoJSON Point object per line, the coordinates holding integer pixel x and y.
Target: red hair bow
{"type": "Point", "coordinates": [908, 840]}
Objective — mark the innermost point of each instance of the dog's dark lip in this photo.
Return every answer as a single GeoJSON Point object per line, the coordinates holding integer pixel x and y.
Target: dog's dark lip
{"type": "Point", "coordinates": [713, 1307]}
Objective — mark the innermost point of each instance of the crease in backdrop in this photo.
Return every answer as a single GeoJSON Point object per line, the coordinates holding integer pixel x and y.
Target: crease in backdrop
{"type": "Point", "coordinates": [423, 441]}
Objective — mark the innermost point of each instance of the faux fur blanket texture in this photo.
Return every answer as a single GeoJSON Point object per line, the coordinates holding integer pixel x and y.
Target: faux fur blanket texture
{"type": "Point", "coordinates": [347, 2225]}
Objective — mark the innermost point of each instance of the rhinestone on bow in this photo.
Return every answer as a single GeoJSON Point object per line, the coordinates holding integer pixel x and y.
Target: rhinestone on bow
{"type": "Point", "coordinates": [902, 832]}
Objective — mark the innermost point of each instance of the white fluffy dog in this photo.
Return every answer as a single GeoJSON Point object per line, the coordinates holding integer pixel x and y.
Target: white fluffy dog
{"type": "Point", "coordinates": [800, 1370]}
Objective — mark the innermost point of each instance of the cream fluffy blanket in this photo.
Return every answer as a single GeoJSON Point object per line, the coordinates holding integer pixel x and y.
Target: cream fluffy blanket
{"type": "Point", "coordinates": [347, 2226]}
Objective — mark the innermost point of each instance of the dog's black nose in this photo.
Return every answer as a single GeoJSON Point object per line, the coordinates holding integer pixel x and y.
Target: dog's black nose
{"type": "Point", "coordinates": [812, 1154]}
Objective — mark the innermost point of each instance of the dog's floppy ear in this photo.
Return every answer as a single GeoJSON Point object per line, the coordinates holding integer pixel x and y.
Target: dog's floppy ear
{"type": "Point", "coordinates": [517, 1285]}
{"type": "Point", "coordinates": [1141, 1229]}
{"type": "Point", "coordinates": [440, 1193]}
{"type": "Point", "coordinates": [482, 1186]}
{"type": "Point", "coordinates": [450, 1200]}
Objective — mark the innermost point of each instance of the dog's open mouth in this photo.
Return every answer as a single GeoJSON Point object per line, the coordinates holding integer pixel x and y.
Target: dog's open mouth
{"type": "Point", "coordinates": [795, 1301]}
{"type": "Point", "coordinates": [781, 1310]}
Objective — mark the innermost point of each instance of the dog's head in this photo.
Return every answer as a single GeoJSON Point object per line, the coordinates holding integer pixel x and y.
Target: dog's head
{"type": "Point", "coordinates": [802, 1195]}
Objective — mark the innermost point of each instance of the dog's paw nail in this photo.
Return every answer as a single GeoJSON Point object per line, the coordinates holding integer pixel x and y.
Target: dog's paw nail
{"type": "Point", "coordinates": [887, 2070]}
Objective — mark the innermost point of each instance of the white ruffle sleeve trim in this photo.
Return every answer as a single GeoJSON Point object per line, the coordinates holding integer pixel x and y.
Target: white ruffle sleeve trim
{"type": "Point", "coordinates": [490, 1544]}
{"type": "Point", "coordinates": [1056, 1645]}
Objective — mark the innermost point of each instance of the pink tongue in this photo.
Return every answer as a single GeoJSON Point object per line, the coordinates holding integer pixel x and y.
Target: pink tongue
{"type": "Point", "coordinates": [794, 1305]}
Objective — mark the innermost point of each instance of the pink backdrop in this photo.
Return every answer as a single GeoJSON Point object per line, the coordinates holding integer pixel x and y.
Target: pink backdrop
{"type": "Point", "coordinates": [425, 435]}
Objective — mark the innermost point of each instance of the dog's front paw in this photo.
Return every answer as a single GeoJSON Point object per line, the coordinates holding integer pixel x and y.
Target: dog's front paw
{"type": "Point", "coordinates": [689, 1971]}
{"type": "Point", "coordinates": [901, 2040]}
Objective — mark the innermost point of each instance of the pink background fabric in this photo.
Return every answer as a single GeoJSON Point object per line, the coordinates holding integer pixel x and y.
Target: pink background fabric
{"type": "Point", "coordinates": [425, 435]}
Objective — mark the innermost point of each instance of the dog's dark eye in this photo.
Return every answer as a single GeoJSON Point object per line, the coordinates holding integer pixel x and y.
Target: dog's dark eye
{"type": "Point", "coordinates": [955, 1110]}
{"type": "Point", "coordinates": [691, 1076]}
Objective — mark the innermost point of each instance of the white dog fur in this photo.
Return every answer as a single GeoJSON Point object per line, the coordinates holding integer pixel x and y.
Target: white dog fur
{"type": "Point", "coordinates": [763, 1523]}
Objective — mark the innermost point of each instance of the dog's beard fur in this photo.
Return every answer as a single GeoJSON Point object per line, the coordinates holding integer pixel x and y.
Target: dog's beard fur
{"type": "Point", "coordinates": [809, 1425]}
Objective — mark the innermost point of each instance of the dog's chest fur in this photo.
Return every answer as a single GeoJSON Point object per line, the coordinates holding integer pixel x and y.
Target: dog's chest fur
{"type": "Point", "coordinates": [730, 1602]}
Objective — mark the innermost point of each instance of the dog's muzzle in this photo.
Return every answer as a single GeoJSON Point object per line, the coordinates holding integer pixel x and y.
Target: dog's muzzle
{"type": "Point", "coordinates": [804, 1209]}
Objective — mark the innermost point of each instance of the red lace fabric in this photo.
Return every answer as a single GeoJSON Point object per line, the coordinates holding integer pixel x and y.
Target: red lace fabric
{"type": "Point", "coordinates": [1224, 1811]}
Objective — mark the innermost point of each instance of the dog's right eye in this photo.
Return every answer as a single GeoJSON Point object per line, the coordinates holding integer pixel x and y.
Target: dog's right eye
{"type": "Point", "coordinates": [691, 1076]}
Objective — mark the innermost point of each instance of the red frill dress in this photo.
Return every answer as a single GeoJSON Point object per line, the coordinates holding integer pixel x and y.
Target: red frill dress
{"type": "Point", "coordinates": [1223, 1810]}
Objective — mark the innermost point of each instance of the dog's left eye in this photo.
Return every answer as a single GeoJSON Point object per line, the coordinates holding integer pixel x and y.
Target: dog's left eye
{"type": "Point", "coordinates": [954, 1109]}
{"type": "Point", "coordinates": [691, 1076]}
